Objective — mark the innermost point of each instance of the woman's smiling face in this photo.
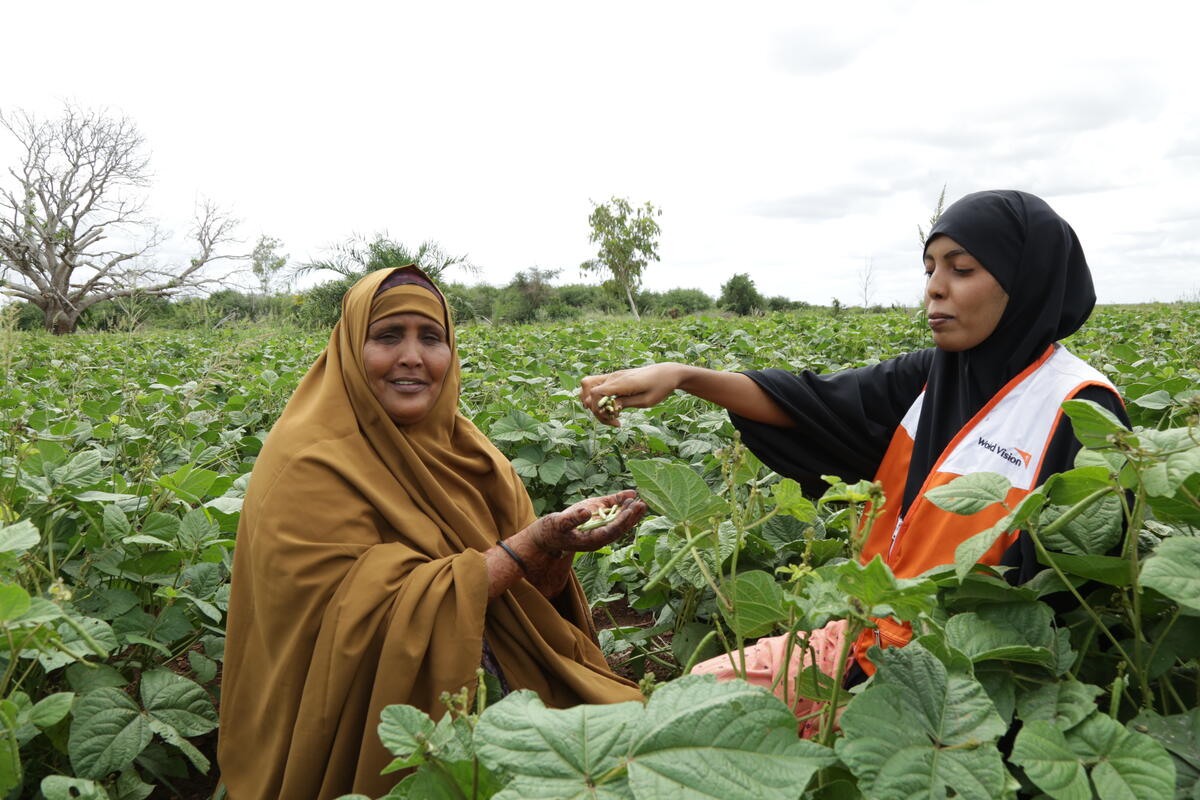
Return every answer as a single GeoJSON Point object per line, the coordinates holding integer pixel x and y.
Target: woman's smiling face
{"type": "Point", "coordinates": [406, 357]}
{"type": "Point", "coordinates": [963, 301]}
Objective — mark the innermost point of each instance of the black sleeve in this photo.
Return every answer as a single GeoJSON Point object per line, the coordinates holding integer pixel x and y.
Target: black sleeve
{"type": "Point", "coordinates": [843, 422]}
{"type": "Point", "coordinates": [1060, 457]}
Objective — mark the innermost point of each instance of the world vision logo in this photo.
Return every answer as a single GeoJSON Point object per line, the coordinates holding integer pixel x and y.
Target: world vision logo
{"type": "Point", "coordinates": [1015, 456]}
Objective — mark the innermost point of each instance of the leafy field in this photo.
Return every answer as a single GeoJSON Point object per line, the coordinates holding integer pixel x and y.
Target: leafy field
{"type": "Point", "coordinates": [123, 459]}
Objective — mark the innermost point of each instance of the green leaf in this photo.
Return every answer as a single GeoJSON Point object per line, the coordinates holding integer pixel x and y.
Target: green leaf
{"type": "Point", "coordinates": [84, 679]}
{"type": "Point", "coordinates": [1110, 570]}
{"type": "Point", "coordinates": [189, 483]}
{"type": "Point", "coordinates": [998, 679]}
{"type": "Point", "coordinates": [1156, 401]}
{"type": "Point", "coordinates": [1041, 750]}
{"type": "Point", "coordinates": [173, 737]}
{"type": "Point", "coordinates": [454, 780]}
{"type": "Point", "coordinates": [790, 500]}
{"type": "Point", "coordinates": [696, 738]}
{"type": "Point", "coordinates": [971, 493]}
{"type": "Point", "coordinates": [130, 786]}
{"type": "Point", "coordinates": [85, 469]}
{"type": "Point", "coordinates": [203, 667]}
{"type": "Point", "coordinates": [700, 738]}
{"type": "Point", "coordinates": [10, 747]}
{"type": "Point", "coordinates": [51, 709]}
{"type": "Point", "coordinates": [515, 426]}
{"type": "Point", "coordinates": [921, 731]}
{"type": "Point", "coordinates": [676, 491]}
{"type": "Point", "coordinates": [40, 610]}
{"type": "Point", "coordinates": [1127, 764]}
{"type": "Point", "coordinates": [968, 552]}
{"type": "Point", "coordinates": [1181, 467]}
{"type": "Point", "coordinates": [556, 753]}
{"type": "Point", "coordinates": [99, 631]}
{"type": "Point", "coordinates": [1180, 507]}
{"type": "Point", "coordinates": [160, 525]}
{"type": "Point", "coordinates": [594, 571]}
{"type": "Point", "coordinates": [1068, 488]}
{"type": "Point", "coordinates": [181, 703]}
{"type": "Point", "coordinates": [1180, 735]}
{"type": "Point", "coordinates": [552, 471]}
{"type": "Point", "coordinates": [784, 533]}
{"type": "Point", "coordinates": [1063, 704]}
{"type": "Point", "coordinates": [713, 557]}
{"type": "Point", "coordinates": [14, 601]}
{"type": "Point", "coordinates": [108, 731]}
{"type": "Point", "coordinates": [1095, 427]}
{"type": "Point", "coordinates": [757, 604]}
{"type": "Point", "coordinates": [1093, 532]}
{"type": "Point", "coordinates": [116, 524]}
{"type": "Point", "coordinates": [226, 504]}
{"type": "Point", "coordinates": [60, 787]}
{"type": "Point", "coordinates": [197, 531]}
{"type": "Point", "coordinates": [1174, 570]}
{"type": "Point", "coordinates": [1006, 632]}
{"type": "Point", "coordinates": [405, 730]}
{"type": "Point", "coordinates": [883, 593]}
{"type": "Point", "coordinates": [18, 537]}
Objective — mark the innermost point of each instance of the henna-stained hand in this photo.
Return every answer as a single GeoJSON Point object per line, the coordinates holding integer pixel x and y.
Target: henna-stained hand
{"type": "Point", "coordinates": [546, 546]}
{"type": "Point", "coordinates": [560, 532]}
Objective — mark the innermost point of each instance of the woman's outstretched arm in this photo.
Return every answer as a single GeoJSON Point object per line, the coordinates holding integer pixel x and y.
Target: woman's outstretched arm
{"type": "Point", "coordinates": [643, 387]}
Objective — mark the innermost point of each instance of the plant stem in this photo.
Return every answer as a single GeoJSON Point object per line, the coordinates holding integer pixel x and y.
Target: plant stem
{"type": "Point", "coordinates": [1160, 637]}
{"type": "Point", "coordinates": [853, 629]}
{"type": "Point", "coordinates": [691, 662]}
{"type": "Point", "coordinates": [1091, 612]}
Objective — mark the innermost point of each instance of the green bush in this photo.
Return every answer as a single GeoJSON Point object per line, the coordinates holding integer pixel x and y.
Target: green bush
{"type": "Point", "coordinates": [470, 303]}
{"type": "Point", "coordinates": [687, 301]}
{"type": "Point", "coordinates": [781, 303]}
{"type": "Point", "coordinates": [739, 295]}
{"type": "Point", "coordinates": [590, 297]}
{"type": "Point", "coordinates": [321, 306]}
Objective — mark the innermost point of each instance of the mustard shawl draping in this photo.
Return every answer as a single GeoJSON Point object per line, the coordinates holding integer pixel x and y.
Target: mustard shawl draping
{"type": "Point", "coordinates": [359, 578]}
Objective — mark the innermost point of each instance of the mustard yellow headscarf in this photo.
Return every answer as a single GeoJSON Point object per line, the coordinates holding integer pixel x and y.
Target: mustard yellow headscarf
{"type": "Point", "coordinates": [359, 578]}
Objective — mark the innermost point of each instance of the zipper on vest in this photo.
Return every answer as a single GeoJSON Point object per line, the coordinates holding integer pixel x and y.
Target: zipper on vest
{"type": "Point", "coordinates": [895, 536]}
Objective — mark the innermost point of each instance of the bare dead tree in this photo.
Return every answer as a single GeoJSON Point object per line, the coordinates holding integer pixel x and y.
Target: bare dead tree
{"type": "Point", "coordinates": [73, 230]}
{"type": "Point", "coordinates": [866, 278]}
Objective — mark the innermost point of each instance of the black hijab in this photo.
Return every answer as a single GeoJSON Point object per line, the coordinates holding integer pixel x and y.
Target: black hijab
{"type": "Point", "coordinates": [1036, 258]}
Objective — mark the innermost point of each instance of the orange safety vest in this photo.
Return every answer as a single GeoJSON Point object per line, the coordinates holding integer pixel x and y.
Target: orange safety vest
{"type": "Point", "coordinates": [1009, 436]}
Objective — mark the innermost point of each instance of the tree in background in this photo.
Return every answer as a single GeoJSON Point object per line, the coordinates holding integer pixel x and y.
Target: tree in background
{"type": "Point", "coordinates": [357, 256]}
{"type": "Point", "coordinates": [266, 262]}
{"type": "Point", "coordinates": [739, 295]}
{"type": "Point", "coordinates": [73, 231]}
{"type": "Point", "coordinates": [530, 297]}
{"type": "Point", "coordinates": [628, 240]}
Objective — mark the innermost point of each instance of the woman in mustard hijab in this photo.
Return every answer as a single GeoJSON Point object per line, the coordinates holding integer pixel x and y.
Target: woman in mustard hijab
{"type": "Point", "coordinates": [386, 551]}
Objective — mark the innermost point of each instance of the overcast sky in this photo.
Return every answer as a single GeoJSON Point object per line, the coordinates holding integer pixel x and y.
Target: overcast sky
{"type": "Point", "coordinates": [797, 142]}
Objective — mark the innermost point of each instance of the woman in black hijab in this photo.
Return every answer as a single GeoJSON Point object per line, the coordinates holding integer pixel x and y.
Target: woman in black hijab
{"type": "Point", "coordinates": [1006, 279]}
